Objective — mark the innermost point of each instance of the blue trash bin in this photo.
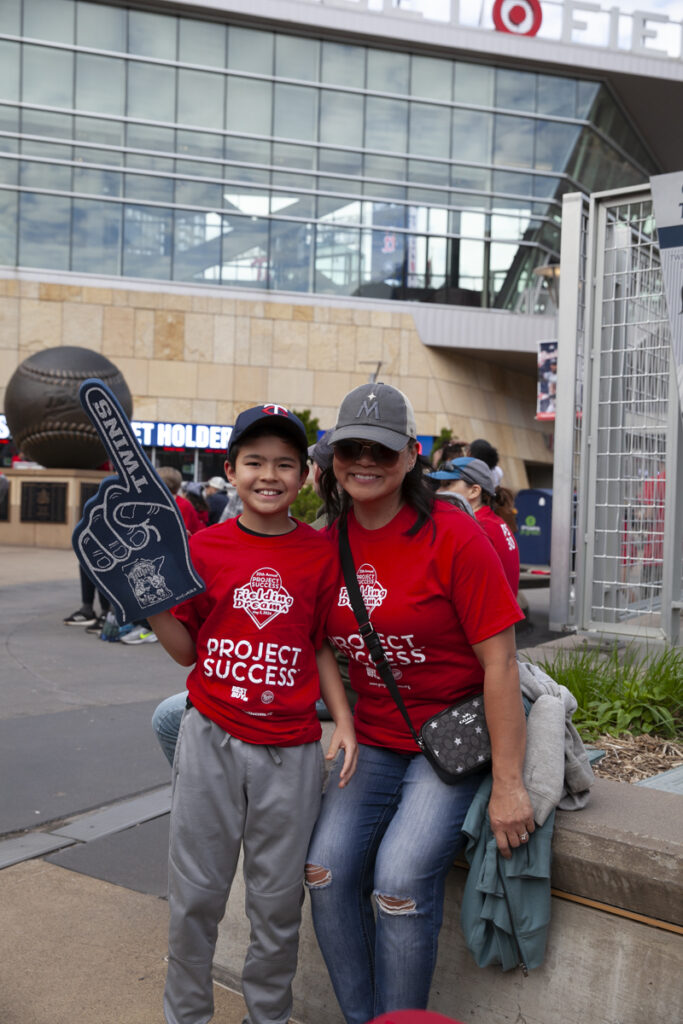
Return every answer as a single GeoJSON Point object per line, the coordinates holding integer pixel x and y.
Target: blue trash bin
{"type": "Point", "coordinates": [534, 518]}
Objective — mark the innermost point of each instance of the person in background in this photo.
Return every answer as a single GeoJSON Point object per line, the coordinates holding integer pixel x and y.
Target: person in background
{"type": "Point", "coordinates": [472, 480]}
{"type": "Point", "coordinates": [505, 502]}
{"type": "Point", "coordinates": [451, 449]}
{"type": "Point", "coordinates": [173, 479]}
{"type": "Point", "coordinates": [216, 497]}
{"type": "Point", "coordinates": [86, 614]}
{"type": "Point", "coordinates": [195, 495]}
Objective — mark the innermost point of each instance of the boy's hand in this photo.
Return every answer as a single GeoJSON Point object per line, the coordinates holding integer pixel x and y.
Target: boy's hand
{"type": "Point", "coordinates": [344, 738]}
{"type": "Point", "coordinates": [131, 541]}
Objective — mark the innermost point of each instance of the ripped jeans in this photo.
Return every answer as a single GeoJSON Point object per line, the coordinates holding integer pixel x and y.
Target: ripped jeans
{"type": "Point", "coordinates": [393, 833]}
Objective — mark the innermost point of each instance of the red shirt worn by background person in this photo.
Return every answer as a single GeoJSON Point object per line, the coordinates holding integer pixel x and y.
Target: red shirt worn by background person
{"type": "Point", "coordinates": [430, 597]}
{"type": "Point", "coordinates": [502, 538]}
{"type": "Point", "coordinates": [189, 514]}
{"type": "Point", "coordinates": [257, 627]}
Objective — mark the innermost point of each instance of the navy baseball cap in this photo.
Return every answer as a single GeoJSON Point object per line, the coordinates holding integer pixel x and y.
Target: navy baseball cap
{"type": "Point", "coordinates": [472, 471]}
{"type": "Point", "coordinates": [281, 420]}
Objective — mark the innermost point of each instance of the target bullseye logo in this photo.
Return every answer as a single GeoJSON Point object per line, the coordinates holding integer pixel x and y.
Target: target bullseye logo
{"type": "Point", "coordinates": [520, 17]}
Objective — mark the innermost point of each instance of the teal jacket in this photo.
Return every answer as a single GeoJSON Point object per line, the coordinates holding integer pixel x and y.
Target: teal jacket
{"type": "Point", "coordinates": [506, 903]}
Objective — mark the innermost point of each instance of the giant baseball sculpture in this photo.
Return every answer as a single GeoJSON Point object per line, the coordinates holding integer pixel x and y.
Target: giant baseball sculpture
{"type": "Point", "coordinates": [131, 541]}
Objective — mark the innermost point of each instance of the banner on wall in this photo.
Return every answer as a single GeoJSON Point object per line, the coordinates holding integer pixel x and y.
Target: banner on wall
{"type": "Point", "coordinates": [667, 198]}
{"type": "Point", "coordinates": [546, 390]}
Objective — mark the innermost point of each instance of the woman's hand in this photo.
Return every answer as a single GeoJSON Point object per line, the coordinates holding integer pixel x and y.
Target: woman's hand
{"type": "Point", "coordinates": [344, 738]}
{"type": "Point", "coordinates": [510, 815]}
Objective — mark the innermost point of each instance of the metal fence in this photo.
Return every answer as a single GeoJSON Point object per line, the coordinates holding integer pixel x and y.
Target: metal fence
{"type": "Point", "coordinates": [617, 546]}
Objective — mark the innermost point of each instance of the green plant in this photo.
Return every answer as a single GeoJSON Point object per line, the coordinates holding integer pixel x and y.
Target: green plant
{"type": "Point", "coordinates": [311, 423]}
{"type": "Point", "coordinates": [439, 441]}
{"type": "Point", "coordinates": [623, 692]}
{"type": "Point", "coordinates": [307, 504]}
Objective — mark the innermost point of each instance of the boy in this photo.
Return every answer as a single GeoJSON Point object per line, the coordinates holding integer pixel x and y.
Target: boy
{"type": "Point", "coordinates": [248, 767]}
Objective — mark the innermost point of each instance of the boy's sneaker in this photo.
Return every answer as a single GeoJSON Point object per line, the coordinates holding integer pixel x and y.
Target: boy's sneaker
{"type": "Point", "coordinates": [95, 628]}
{"type": "Point", "coordinates": [140, 635]}
{"type": "Point", "coordinates": [82, 617]}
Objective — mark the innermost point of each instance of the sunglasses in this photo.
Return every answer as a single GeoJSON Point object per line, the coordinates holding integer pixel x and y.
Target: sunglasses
{"type": "Point", "coordinates": [351, 451]}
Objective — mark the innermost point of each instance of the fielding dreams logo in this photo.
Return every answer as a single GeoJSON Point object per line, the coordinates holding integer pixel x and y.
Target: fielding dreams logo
{"type": "Point", "coordinates": [372, 590]}
{"type": "Point", "coordinates": [263, 598]}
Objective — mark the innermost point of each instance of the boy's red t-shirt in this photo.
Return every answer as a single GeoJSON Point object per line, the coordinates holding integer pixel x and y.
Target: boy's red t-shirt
{"type": "Point", "coordinates": [503, 540]}
{"type": "Point", "coordinates": [430, 597]}
{"type": "Point", "coordinates": [257, 627]}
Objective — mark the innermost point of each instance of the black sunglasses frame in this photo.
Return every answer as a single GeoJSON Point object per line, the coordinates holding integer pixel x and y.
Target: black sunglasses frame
{"type": "Point", "coordinates": [351, 451]}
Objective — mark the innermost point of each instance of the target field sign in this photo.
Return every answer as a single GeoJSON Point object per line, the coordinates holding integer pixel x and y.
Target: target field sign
{"type": "Point", "coordinates": [518, 17]}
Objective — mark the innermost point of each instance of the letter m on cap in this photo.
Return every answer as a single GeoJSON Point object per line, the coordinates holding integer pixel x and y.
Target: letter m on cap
{"type": "Point", "coordinates": [368, 410]}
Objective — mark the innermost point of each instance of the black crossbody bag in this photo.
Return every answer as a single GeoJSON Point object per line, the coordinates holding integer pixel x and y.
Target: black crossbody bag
{"type": "Point", "coordinates": [456, 741]}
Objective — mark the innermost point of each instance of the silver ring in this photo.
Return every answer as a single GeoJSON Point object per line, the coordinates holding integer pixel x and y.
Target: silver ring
{"type": "Point", "coordinates": [524, 837]}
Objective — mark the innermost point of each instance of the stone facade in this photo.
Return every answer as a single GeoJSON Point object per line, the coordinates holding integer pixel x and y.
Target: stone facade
{"type": "Point", "coordinates": [202, 356]}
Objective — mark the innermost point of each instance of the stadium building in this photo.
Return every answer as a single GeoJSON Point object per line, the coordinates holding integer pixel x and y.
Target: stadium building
{"type": "Point", "coordinates": [240, 202]}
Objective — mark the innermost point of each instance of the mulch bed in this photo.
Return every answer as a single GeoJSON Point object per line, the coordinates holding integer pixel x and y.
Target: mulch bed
{"type": "Point", "coordinates": [631, 758]}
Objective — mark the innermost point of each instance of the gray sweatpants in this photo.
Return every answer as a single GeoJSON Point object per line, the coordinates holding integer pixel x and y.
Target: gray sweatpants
{"type": "Point", "coordinates": [226, 794]}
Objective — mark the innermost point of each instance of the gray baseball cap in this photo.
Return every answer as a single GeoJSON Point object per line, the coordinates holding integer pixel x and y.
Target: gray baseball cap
{"type": "Point", "coordinates": [376, 412]}
{"type": "Point", "coordinates": [472, 471]}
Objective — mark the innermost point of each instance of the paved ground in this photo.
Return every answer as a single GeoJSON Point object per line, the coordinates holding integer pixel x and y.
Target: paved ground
{"type": "Point", "coordinates": [83, 808]}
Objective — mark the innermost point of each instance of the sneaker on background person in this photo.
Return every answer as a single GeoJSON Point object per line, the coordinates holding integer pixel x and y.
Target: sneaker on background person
{"type": "Point", "coordinates": [140, 635]}
{"type": "Point", "coordinates": [95, 628]}
{"type": "Point", "coordinates": [83, 617]}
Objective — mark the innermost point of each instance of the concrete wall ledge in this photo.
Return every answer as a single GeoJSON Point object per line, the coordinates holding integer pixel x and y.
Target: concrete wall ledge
{"type": "Point", "coordinates": [625, 850]}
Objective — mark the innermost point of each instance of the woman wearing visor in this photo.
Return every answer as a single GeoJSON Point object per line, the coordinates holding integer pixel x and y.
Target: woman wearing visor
{"type": "Point", "coordinates": [439, 600]}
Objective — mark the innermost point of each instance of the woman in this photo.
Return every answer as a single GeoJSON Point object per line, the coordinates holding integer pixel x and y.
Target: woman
{"type": "Point", "coordinates": [440, 603]}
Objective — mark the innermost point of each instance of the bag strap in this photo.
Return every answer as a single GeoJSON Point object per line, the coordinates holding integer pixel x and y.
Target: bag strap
{"type": "Point", "coordinates": [367, 630]}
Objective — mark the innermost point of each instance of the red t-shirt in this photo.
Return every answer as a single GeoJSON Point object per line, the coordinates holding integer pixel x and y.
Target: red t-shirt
{"type": "Point", "coordinates": [503, 540]}
{"type": "Point", "coordinates": [257, 627]}
{"type": "Point", "coordinates": [430, 597]}
{"type": "Point", "coordinates": [190, 517]}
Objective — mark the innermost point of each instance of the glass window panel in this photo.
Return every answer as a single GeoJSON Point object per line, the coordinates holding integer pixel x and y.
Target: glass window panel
{"type": "Point", "coordinates": [293, 156]}
{"type": "Point", "coordinates": [508, 181]}
{"type": "Point", "coordinates": [296, 112]}
{"type": "Point", "coordinates": [200, 98]}
{"type": "Point", "coordinates": [388, 71]}
{"type": "Point", "coordinates": [296, 57]}
{"type": "Point", "coordinates": [340, 211]}
{"type": "Point", "coordinates": [197, 247]}
{"type": "Point", "coordinates": [96, 180]}
{"type": "Point", "coordinates": [250, 106]}
{"type": "Point", "coordinates": [100, 26]}
{"type": "Point", "coordinates": [147, 242]}
{"type": "Point", "coordinates": [345, 186]}
{"type": "Point", "coordinates": [49, 19]}
{"type": "Point", "coordinates": [10, 17]}
{"type": "Point", "coordinates": [252, 202]}
{"type": "Point", "coordinates": [341, 118]}
{"type": "Point", "coordinates": [291, 256]}
{"type": "Point", "coordinates": [9, 70]}
{"type": "Point", "coordinates": [294, 204]}
{"type": "Point", "coordinates": [388, 168]}
{"type": "Point", "coordinates": [343, 65]}
{"type": "Point", "coordinates": [44, 231]}
{"type": "Point", "coordinates": [96, 237]}
{"type": "Point", "coordinates": [437, 262]}
{"type": "Point", "coordinates": [91, 129]}
{"type": "Point", "coordinates": [202, 42]}
{"type": "Point", "coordinates": [151, 91]}
{"type": "Point", "coordinates": [586, 93]}
{"type": "Point", "coordinates": [9, 169]}
{"type": "Point", "coordinates": [45, 175]}
{"type": "Point", "coordinates": [337, 260]}
{"type": "Point", "coordinates": [473, 84]}
{"type": "Point", "coordinates": [471, 178]}
{"type": "Point", "coordinates": [9, 205]}
{"type": "Point", "coordinates": [416, 262]}
{"type": "Point", "coordinates": [506, 226]}
{"type": "Point", "coordinates": [515, 90]}
{"type": "Point", "coordinates": [431, 77]}
{"type": "Point", "coordinates": [425, 195]}
{"type": "Point", "coordinates": [556, 96]}
{"type": "Point", "coordinates": [199, 169]}
{"type": "Point", "coordinates": [513, 141]}
{"type": "Point", "coordinates": [39, 122]}
{"type": "Point", "coordinates": [430, 130]}
{"type": "Point", "coordinates": [389, 215]}
{"type": "Point", "coordinates": [249, 151]}
{"type": "Point", "coordinates": [250, 50]}
{"type": "Point", "coordinates": [554, 145]}
{"type": "Point", "coordinates": [544, 186]}
{"type": "Point", "coordinates": [467, 270]}
{"type": "Point", "coordinates": [152, 35]}
{"type": "Point", "coordinates": [435, 174]}
{"type": "Point", "coordinates": [9, 122]}
{"type": "Point", "coordinates": [244, 260]}
{"type": "Point", "coordinates": [141, 136]}
{"type": "Point", "coordinates": [503, 273]}
{"type": "Point", "coordinates": [47, 76]}
{"type": "Point", "coordinates": [100, 84]}
{"type": "Point", "coordinates": [338, 161]}
{"type": "Point", "coordinates": [472, 134]}
{"type": "Point", "coordinates": [141, 186]}
{"type": "Point", "coordinates": [198, 193]}
{"type": "Point", "coordinates": [199, 144]}
{"type": "Point", "coordinates": [386, 124]}
{"type": "Point", "coordinates": [383, 261]}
